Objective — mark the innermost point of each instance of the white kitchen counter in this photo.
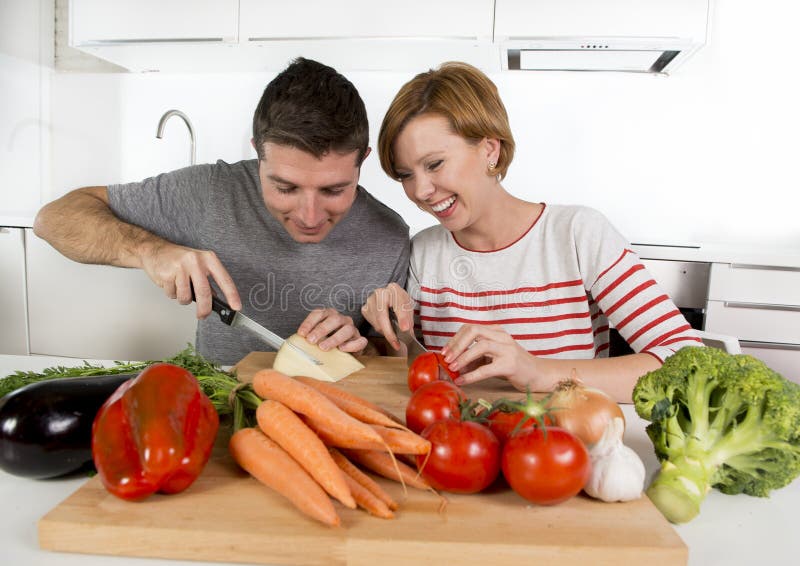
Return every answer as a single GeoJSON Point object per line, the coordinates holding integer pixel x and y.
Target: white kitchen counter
{"type": "Point", "coordinates": [730, 530]}
{"type": "Point", "coordinates": [762, 255]}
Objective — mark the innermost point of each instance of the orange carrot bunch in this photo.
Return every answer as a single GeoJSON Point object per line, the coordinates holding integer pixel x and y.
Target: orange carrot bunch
{"type": "Point", "coordinates": [302, 425]}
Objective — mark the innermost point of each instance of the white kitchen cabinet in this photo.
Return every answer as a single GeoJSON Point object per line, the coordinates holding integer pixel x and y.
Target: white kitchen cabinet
{"type": "Point", "coordinates": [686, 282]}
{"type": "Point", "coordinates": [256, 35]}
{"type": "Point", "coordinates": [760, 305]}
{"type": "Point", "coordinates": [318, 19]}
{"type": "Point", "coordinates": [147, 21]}
{"type": "Point", "coordinates": [600, 19]}
{"type": "Point", "coordinates": [750, 294]}
{"type": "Point", "coordinates": [14, 328]}
{"type": "Point", "coordinates": [361, 35]}
{"type": "Point", "coordinates": [151, 35]}
{"type": "Point", "coordinates": [99, 312]}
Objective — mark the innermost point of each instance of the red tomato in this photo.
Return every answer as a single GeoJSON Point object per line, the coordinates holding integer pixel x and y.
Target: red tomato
{"type": "Point", "coordinates": [464, 458]}
{"type": "Point", "coordinates": [503, 423]}
{"type": "Point", "coordinates": [433, 402]}
{"type": "Point", "coordinates": [426, 368]}
{"type": "Point", "coordinates": [546, 468]}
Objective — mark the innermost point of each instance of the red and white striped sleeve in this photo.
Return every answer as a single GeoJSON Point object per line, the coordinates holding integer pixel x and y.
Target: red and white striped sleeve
{"type": "Point", "coordinates": [640, 310]}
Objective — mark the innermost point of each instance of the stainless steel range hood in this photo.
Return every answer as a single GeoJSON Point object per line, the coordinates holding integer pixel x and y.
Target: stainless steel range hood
{"type": "Point", "coordinates": [640, 36]}
{"type": "Point", "coordinates": [645, 56]}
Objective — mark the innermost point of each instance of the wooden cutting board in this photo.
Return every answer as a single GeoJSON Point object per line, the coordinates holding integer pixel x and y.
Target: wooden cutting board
{"type": "Point", "coordinates": [227, 516]}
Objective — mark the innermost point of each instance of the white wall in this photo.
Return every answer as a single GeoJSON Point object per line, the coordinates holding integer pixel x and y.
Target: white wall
{"type": "Point", "coordinates": [25, 70]}
{"type": "Point", "coordinates": [706, 155]}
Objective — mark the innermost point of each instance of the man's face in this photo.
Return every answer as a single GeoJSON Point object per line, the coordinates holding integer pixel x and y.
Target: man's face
{"type": "Point", "coordinates": [307, 195]}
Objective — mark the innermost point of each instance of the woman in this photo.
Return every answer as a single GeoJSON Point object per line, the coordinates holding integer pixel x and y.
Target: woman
{"type": "Point", "coordinates": [502, 286]}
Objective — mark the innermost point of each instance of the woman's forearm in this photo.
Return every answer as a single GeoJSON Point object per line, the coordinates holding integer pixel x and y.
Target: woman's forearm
{"type": "Point", "coordinates": [616, 376]}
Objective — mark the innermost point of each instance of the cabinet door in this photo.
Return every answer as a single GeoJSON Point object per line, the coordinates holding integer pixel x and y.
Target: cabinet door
{"type": "Point", "coordinates": [609, 18]}
{"type": "Point", "coordinates": [754, 284]}
{"type": "Point", "coordinates": [100, 312]}
{"type": "Point", "coordinates": [364, 35]}
{"type": "Point", "coordinates": [100, 21]}
{"type": "Point", "coordinates": [308, 19]}
{"type": "Point", "coordinates": [14, 328]}
{"type": "Point", "coordinates": [686, 282]}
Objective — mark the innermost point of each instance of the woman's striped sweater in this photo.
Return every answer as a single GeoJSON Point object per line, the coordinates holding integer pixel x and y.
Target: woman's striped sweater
{"type": "Point", "coordinates": [555, 290]}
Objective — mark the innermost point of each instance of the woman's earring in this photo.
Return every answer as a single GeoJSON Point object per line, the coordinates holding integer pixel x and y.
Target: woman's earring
{"type": "Point", "coordinates": [492, 165]}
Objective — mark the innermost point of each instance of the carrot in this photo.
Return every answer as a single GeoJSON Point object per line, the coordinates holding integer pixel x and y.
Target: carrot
{"type": "Point", "coordinates": [304, 399]}
{"type": "Point", "coordinates": [382, 464]}
{"type": "Point", "coordinates": [395, 440]}
{"type": "Point", "coordinates": [354, 405]}
{"type": "Point", "coordinates": [283, 426]}
{"type": "Point", "coordinates": [354, 472]}
{"type": "Point", "coordinates": [367, 500]}
{"type": "Point", "coordinates": [403, 441]}
{"type": "Point", "coordinates": [272, 466]}
{"type": "Point", "coordinates": [330, 438]}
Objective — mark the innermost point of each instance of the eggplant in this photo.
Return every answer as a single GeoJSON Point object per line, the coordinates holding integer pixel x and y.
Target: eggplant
{"type": "Point", "coordinates": [46, 427]}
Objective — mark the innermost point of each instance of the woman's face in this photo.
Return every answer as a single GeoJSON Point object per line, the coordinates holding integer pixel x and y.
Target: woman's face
{"type": "Point", "coordinates": [442, 172]}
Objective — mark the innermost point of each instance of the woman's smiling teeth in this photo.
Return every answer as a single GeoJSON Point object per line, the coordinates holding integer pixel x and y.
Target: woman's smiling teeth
{"type": "Point", "coordinates": [444, 205]}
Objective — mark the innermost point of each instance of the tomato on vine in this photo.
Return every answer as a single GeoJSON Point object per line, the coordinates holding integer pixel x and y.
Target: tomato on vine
{"type": "Point", "coordinates": [464, 456]}
{"type": "Point", "coordinates": [505, 416]}
{"type": "Point", "coordinates": [504, 423]}
{"type": "Point", "coordinates": [546, 465]}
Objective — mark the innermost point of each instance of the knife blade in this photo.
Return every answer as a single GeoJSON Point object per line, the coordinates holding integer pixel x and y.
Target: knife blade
{"type": "Point", "coordinates": [413, 346]}
{"type": "Point", "coordinates": [235, 319]}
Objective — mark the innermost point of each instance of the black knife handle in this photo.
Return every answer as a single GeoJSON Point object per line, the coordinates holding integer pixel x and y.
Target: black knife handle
{"type": "Point", "coordinates": [225, 312]}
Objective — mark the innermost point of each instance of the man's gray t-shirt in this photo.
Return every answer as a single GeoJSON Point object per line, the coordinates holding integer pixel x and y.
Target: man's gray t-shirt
{"type": "Point", "coordinates": [220, 207]}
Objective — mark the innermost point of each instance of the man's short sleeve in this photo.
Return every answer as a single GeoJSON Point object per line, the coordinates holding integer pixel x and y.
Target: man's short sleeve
{"type": "Point", "coordinates": [170, 205]}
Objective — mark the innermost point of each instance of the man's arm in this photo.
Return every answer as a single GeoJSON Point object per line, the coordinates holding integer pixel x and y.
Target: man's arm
{"type": "Point", "coordinates": [82, 226]}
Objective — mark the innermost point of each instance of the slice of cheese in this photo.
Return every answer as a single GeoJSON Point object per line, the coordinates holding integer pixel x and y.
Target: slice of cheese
{"type": "Point", "coordinates": [335, 363]}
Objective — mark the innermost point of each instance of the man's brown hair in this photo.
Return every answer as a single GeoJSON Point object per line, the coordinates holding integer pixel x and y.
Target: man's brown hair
{"type": "Point", "coordinates": [311, 107]}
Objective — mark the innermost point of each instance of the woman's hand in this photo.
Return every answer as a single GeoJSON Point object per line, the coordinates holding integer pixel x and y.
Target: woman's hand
{"type": "Point", "coordinates": [376, 310]}
{"type": "Point", "coordinates": [481, 351]}
{"type": "Point", "coordinates": [329, 329]}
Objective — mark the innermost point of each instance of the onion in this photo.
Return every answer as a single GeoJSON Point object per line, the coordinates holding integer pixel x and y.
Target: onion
{"type": "Point", "coordinates": [584, 411]}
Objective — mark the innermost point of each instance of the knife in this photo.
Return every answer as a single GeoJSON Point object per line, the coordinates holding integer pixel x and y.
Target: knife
{"type": "Point", "coordinates": [235, 319]}
{"type": "Point", "coordinates": [412, 344]}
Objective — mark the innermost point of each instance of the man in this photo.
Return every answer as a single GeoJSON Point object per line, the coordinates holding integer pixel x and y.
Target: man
{"type": "Point", "coordinates": [290, 239]}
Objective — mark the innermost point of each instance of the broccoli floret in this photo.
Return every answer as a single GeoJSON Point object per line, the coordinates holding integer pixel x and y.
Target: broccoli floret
{"type": "Point", "coordinates": [718, 420]}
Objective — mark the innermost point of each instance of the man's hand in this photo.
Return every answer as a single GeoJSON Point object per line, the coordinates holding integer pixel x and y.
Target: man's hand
{"type": "Point", "coordinates": [328, 329]}
{"type": "Point", "coordinates": [178, 269]}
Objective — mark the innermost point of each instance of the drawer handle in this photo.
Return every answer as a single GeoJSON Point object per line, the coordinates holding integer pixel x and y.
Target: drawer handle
{"type": "Point", "coordinates": [769, 345]}
{"type": "Point", "coordinates": [761, 306]}
{"type": "Point", "coordinates": [763, 267]}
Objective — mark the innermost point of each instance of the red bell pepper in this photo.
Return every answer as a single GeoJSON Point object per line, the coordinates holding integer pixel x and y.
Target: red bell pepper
{"type": "Point", "coordinates": [154, 434]}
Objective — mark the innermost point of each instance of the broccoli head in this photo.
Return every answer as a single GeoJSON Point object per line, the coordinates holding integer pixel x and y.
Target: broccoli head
{"type": "Point", "coordinates": [718, 420]}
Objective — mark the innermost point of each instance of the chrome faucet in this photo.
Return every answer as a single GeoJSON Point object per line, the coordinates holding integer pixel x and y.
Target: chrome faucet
{"type": "Point", "coordinates": [163, 121]}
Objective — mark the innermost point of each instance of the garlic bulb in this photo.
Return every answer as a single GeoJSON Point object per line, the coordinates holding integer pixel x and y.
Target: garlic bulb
{"type": "Point", "coordinates": [617, 471]}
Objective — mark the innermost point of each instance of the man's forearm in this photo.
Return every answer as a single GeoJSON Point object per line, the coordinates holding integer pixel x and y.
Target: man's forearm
{"type": "Point", "coordinates": [82, 227]}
